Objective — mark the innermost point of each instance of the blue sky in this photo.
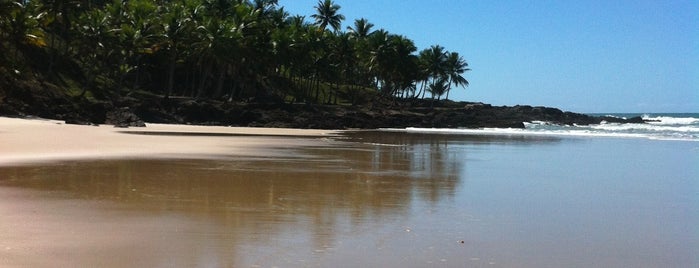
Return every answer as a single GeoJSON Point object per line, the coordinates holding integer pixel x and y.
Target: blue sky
{"type": "Point", "coordinates": [582, 56]}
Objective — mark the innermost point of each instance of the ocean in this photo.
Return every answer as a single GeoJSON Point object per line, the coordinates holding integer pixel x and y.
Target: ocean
{"type": "Point", "coordinates": [546, 196]}
{"type": "Point", "coordinates": [668, 126]}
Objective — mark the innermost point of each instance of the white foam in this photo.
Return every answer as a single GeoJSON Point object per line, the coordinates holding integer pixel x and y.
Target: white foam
{"type": "Point", "coordinates": [563, 131]}
{"type": "Point", "coordinates": [659, 128]}
{"type": "Point", "coordinates": [646, 127]}
{"type": "Point", "coordinates": [614, 116]}
{"type": "Point", "coordinates": [666, 120]}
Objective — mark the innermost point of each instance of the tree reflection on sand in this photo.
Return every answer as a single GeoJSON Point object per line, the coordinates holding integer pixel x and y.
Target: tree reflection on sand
{"type": "Point", "coordinates": [312, 193]}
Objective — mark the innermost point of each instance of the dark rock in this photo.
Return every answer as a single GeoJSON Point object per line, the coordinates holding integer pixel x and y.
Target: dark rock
{"type": "Point", "coordinates": [635, 120]}
{"type": "Point", "coordinates": [123, 117]}
{"type": "Point", "coordinates": [612, 119]}
{"type": "Point", "coordinates": [46, 100]}
{"type": "Point", "coordinates": [76, 121]}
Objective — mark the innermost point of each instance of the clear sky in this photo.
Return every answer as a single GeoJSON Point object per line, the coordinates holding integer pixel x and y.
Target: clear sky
{"type": "Point", "coordinates": [582, 56]}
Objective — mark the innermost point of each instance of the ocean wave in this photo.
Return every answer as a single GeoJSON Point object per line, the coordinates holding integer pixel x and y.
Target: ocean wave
{"type": "Point", "coordinates": [564, 131]}
{"type": "Point", "coordinates": [517, 131]}
{"type": "Point", "coordinates": [660, 127]}
{"type": "Point", "coordinates": [646, 127]}
{"type": "Point", "coordinates": [667, 120]}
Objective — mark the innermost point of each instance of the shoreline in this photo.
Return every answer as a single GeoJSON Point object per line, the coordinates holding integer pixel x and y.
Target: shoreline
{"type": "Point", "coordinates": [37, 140]}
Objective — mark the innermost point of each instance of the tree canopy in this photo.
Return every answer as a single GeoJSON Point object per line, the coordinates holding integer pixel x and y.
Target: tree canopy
{"type": "Point", "coordinates": [232, 50]}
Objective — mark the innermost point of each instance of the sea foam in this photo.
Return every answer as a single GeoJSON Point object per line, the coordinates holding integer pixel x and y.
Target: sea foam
{"type": "Point", "coordinates": [666, 120]}
{"type": "Point", "coordinates": [657, 128]}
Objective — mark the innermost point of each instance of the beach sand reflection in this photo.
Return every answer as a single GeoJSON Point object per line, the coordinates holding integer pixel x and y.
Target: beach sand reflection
{"type": "Point", "coordinates": [234, 212]}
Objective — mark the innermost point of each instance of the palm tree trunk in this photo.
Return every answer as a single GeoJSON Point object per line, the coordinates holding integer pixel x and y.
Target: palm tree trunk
{"type": "Point", "coordinates": [202, 82]}
{"type": "Point", "coordinates": [171, 73]}
{"type": "Point", "coordinates": [317, 86]}
{"type": "Point", "coordinates": [219, 82]}
{"type": "Point", "coordinates": [424, 89]}
{"type": "Point", "coordinates": [448, 89]}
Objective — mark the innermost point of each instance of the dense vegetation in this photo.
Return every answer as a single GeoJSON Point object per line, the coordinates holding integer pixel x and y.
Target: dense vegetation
{"type": "Point", "coordinates": [231, 50]}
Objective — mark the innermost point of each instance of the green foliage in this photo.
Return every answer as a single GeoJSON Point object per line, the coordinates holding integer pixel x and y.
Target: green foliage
{"type": "Point", "coordinates": [327, 15]}
{"type": "Point", "coordinates": [221, 49]}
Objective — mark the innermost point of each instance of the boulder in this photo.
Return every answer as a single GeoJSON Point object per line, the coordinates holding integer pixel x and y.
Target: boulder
{"type": "Point", "coordinates": [123, 117]}
{"type": "Point", "coordinates": [635, 120]}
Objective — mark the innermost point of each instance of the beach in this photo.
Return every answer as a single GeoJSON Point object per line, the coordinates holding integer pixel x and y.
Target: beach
{"type": "Point", "coordinates": [223, 197]}
{"type": "Point", "coordinates": [41, 140]}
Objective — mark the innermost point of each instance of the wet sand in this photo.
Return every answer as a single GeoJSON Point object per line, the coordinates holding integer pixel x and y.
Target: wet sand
{"type": "Point", "coordinates": [366, 200]}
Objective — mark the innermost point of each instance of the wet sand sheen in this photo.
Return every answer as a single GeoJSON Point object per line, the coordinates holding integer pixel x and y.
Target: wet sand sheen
{"type": "Point", "coordinates": [201, 213]}
{"type": "Point", "coordinates": [369, 199]}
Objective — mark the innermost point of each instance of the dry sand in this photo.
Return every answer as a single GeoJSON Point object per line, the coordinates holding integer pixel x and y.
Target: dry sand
{"type": "Point", "coordinates": [39, 140]}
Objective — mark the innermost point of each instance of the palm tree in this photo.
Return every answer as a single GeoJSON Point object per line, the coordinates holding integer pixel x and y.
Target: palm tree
{"type": "Point", "coordinates": [343, 59]}
{"type": "Point", "coordinates": [265, 6]}
{"type": "Point", "coordinates": [455, 66]}
{"type": "Point", "coordinates": [436, 57]}
{"type": "Point", "coordinates": [177, 25]}
{"type": "Point", "coordinates": [405, 66]}
{"type": "Point", "coordinates": [137, 30]}
{"type": "Point", "coordinates": [392, 62]}
{"type": "Point", "coordinates": [326, 14]}
{"type": "Point", "coordinates": [433, 63]}
{"type": "Point", "coordinates": [94, 29]}
{"type": "Point", "coordinates": [244, 47]}
{"type": "Point", "coordinates": [6, 9]}
{"type": "Point", "coordinates": [361, 30]}
{"type": "Point", "coordinates": [377, 45]}
{"type": "Point", "coordinates": [22, 25]}
{"type": "Point", "coordinates": [438, 87]}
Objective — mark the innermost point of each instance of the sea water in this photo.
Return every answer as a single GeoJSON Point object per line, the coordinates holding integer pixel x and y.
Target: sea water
{"type": "Point", "coordinates": [489, 198]}
{"type": "Point", "coordinates": [674, 126]}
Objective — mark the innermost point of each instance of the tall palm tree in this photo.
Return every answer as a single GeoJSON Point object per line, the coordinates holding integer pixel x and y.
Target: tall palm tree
{"type": "Point", "coordinates": [326, 14]}
{"type": "Point", "coordinates": [136, 31]}
{"type": "Point", "coordinates": [436, 57]}
{"type": "Point", "coordinates": [23, 23]}
{"type": "Point", "coordinates": [433, 63]}
{"type": "Point", "coordinates": [438, 87]}
{"type": "Point", "coordinates": [266, 6]}
{"type": "Point", "coordinates": [361, 30]}
{"type": "Point", "coordinates": [455, 66]}
{"type": "Point", "coordinates": [93, 46]}
{"type": "Point", "coordinates": [405, 67]}
{"type": "Point", "coordinates": [177, 27]}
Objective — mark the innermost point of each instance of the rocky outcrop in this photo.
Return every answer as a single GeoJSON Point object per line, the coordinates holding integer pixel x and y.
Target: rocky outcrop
{"type": "Point", "coordinates": [454, 115]}
{"type": "Point", "coordinates": [130, 112]}
{"type": "Point", "coordinates": [123, 117]}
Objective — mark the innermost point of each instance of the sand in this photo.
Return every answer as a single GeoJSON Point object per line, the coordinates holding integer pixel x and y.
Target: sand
{"type": "Point", "coordinates": [513, 202]}
{"type": "Point", "coordinates": [25, 141]}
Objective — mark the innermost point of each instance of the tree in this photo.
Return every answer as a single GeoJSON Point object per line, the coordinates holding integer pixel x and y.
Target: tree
{"type": "Point", "coordinates": [94, 45]}
{"type": "Point", "coordinates": [326, 14]}
{"type": "Point", "coordinates": [343, 61]}
{"type": "Point", "coordinates": [455, 66]}
{"type": "Point", "coordinates": [361, 30]}
{"type": "Point", "coordinates": [21, 25]}
{"type": "Point", "coordinates": [394, 63]}
{"type": "Point", "coordinates": [177, 26]}
{"type": "Point", "coordinates": [265, 6]}
{"type": "Point", "coordinates": [433, 64]}
{"type": "Point", "coordinates": [137, 31]}
{"type": "Point", "coordinates": [438, 87]}
{"type": "Point", "coordinates": [235, 49]}
{"type": "Point", "coordinates": [7, 7]}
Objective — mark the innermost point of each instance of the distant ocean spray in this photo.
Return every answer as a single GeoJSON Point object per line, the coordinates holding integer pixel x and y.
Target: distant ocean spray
{"type": "Point", "coordinates": [672, 126]}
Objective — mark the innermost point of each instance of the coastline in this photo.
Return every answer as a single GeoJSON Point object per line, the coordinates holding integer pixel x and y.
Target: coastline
{"type": "Point", "coordinates": [368, 203]}
{"type": "Point", "coordinates": [37, 140]}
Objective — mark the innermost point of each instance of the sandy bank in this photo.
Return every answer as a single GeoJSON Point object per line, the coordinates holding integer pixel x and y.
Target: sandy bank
{"type": "Point", "coordinates": [39, 140]}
